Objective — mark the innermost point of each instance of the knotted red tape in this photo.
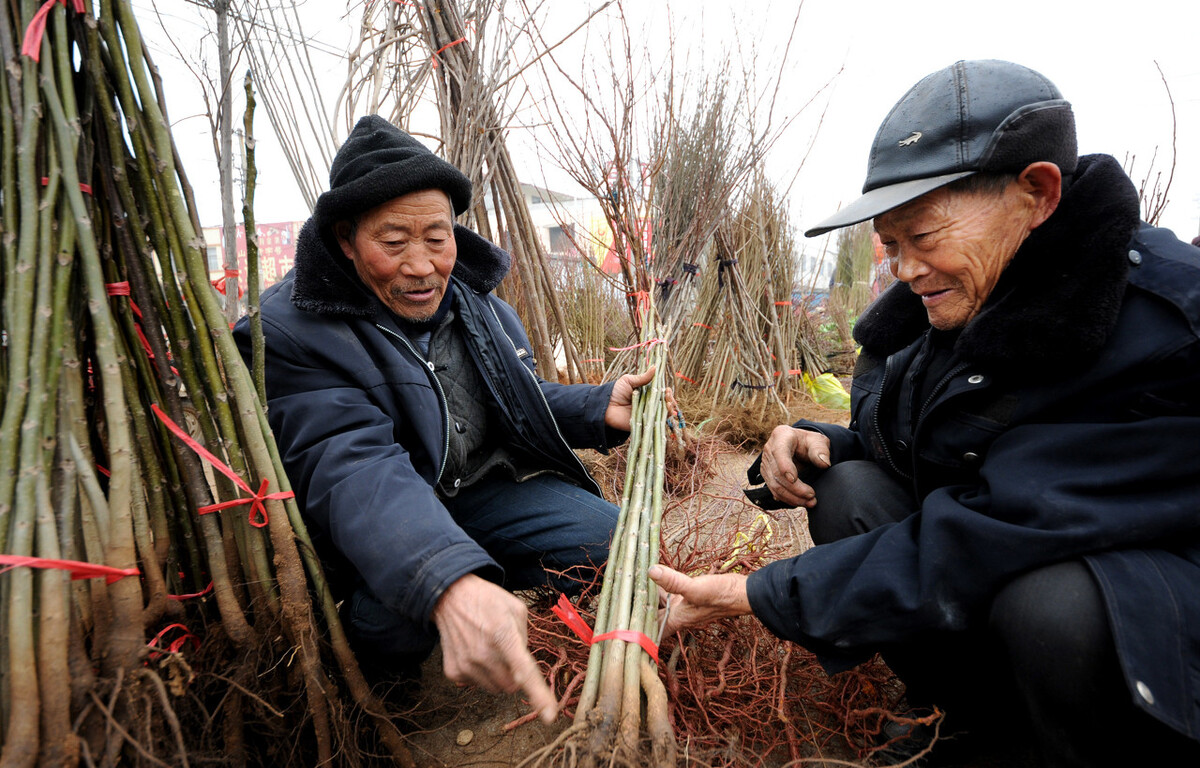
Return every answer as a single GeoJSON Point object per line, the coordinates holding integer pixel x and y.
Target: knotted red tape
{"type": "Point", "coordinates": [32, 46]}
{"type": "Point", "coordinates": [565, 611]}
{"type": "Point", "coordinates": [219, 284]}
{"type": "Point", "coordinates": [176, 645]}
{"type": "Point", "coordinates": [78, 569]}
{"type": "Point", "coordinates": [444, 47]}
{"type": "Point", "coordinates": [649, 343]}
{"type": "Point", "coordinates": [258, 510]}
{"type": "Point", "coordinates": [643, 302]}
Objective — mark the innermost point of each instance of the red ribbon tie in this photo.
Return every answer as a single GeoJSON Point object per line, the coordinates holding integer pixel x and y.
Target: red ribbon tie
{"type": "Point", "coordinates": [565, 611]}
{"type": "Point", "coordinates": [79, 570]}
{"type": "Point", "coordinates": [32, 45]}
{"type": "Point", "coordinates": [258, 510]}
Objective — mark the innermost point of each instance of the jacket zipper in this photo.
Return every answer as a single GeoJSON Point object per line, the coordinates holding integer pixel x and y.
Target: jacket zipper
{"type": "Point", "coordinates": [441, 394]}
{"type": "Point", "coordinates": [545, 402]}
{"type": "Point", "coordinates": [887, 367]}
{"type": "Point", "coordinates": [937, 390]}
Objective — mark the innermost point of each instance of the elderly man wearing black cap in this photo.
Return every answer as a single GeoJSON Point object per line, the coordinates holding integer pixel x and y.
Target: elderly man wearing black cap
{"type": "Point", "coordinates": [431, 462]}
{"type": "Point", "coordinates": [1012, 516]}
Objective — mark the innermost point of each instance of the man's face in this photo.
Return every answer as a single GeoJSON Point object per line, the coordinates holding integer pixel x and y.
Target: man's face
{"type": "Point", "coordinates": [950, 247]}
{"type": "Point", "coordinates": [404, 251]}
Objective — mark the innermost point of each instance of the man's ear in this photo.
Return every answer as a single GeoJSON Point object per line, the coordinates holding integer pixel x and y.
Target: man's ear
{"type": "Point", "coordinates": [341, 230]}
{"type": "Point", "coordinates": [1042, 181]}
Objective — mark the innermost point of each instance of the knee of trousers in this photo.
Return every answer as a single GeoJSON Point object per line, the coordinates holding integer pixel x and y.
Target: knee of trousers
{"type": "Point", "coordinates": [854, 497]}
{"type": "Point", "coordinates": [1053, 620]}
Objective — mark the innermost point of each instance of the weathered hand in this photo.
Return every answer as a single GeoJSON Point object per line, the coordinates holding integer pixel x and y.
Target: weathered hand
{"type": "Point", "coordinates": [485, 642]}
{"type": "Point", "coordinates": [619, 414]}
{"type": "Point", "coordinates": [701, 599]}
{"type": "Point", "coordinates": [786, 447]}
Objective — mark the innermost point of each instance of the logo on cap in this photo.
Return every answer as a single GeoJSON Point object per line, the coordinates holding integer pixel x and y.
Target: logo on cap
{"type": "Point", "coordinates": [916, 136]}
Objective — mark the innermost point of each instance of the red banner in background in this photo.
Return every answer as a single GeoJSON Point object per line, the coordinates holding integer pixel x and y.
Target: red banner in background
{"type": "Point", "coordinates": [276, 251]}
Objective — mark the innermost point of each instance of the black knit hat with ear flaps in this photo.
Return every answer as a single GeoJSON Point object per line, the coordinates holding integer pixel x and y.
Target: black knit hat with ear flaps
{"type": "Point", "coordinates": [379, 162]}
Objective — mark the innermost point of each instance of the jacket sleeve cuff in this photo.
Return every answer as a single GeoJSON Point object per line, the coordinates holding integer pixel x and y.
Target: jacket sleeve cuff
{"type": "Point", "coordinates": [418, 598]}
{"type": "Point", "coordinates": [766, 590]}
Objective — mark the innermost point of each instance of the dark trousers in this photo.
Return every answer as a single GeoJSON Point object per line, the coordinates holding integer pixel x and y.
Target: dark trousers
{"type": "Point", "coordinates": [542, 532]}
{"type": "Point", "coordinates": [1040, 666]}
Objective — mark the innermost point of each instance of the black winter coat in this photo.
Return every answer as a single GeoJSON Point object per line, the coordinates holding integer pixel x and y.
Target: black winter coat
{"type": "Point", "coordinates": [1070, 429]}
{"type": "Point", "coordinates": [361, 421]}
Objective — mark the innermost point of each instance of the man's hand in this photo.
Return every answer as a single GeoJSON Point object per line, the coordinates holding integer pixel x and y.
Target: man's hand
{"type": "Point", "coordinates": [485, 642]}
{"type": "Point", "coordinates": [619, 414]}
{"type": "Point", "coordinates": [701, 599]}
{"type": "Point", "coordinates": [786, 447]}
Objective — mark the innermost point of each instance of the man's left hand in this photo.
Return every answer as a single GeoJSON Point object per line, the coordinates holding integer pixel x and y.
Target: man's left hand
{"type": "Point", "coordinates": [619, 414]}
{"type": "Point", "coordinates": [700, 600]}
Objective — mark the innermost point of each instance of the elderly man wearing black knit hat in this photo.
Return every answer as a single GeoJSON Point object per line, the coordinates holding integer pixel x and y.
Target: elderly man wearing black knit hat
{"type": "Point", "coordinates": [1012, 516]}
{"type": "Point", "coordinates": [432, 464]}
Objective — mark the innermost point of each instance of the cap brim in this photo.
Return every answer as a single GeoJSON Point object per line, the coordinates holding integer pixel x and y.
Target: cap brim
{"type": "Point", "coordinates": [882, 200]}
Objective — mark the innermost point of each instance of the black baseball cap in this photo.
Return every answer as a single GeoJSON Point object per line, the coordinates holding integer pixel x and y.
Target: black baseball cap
{"type": "Point", "coordinates": [972, 116]}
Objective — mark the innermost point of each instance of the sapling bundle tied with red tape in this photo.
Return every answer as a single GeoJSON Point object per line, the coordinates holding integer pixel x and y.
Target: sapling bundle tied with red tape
{"type": "Point", "coordinates": [622, 705]}
{"type": "Point", "coordinates": [159, 597]}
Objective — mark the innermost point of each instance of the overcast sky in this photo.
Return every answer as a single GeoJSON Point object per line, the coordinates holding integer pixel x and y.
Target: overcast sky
{"type": "Point", "coordinates": [1101, 54]}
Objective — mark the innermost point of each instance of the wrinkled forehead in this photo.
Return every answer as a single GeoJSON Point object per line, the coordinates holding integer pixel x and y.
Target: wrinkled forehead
{"type": "Point", "coordinates": [935, 205]}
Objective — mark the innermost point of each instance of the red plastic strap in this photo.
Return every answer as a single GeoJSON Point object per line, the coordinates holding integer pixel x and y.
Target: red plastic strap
{"type": "Point", "coordinates": [202, 593]}
{"type": "Point", "coordinates": [219, 284]}
{"type": "Point", "coordinates": [783, 303]}
{"type": "Point", "coordinates": [32, 46]}
{"type": "Point", "coordinates": [702, 325]}
{"type": "Point", "coordinates": [258, 511]}
{"type": "Point", "coordinates": [176, 644]}
{"type": "Point", "coordinates": [643, 301]}
{"type": "Point", "coordinates": [122, 289]}
{"type": "Point", "coordinates": [679, 374]}
{"type": "Point", "coordinates": [78, 570]}
{"type": "Point", "coordinates": [569, 616]}
{"type": "Point", "coordinates": [85, 188]}
{"type": "Point", "coordinates": [444, 47]}
{"type": "Point", "coordinates": [145, 341]}
{"type": "Point", "coordinates": [649, 343]}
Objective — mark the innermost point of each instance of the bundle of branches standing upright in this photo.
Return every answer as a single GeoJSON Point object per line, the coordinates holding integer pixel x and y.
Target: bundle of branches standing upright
{"type": "Point", "coordinates": [622, 689]}
{"type": "Point", "coordinates": [134, 451]}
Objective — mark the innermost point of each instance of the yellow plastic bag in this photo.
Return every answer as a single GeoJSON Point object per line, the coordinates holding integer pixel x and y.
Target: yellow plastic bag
{"type": "Point", "coordinates": [827, 391]}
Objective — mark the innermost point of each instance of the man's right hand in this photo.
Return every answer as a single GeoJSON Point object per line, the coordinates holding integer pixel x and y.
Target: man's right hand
{"type": "Point", "coordinates": [485, 642]}
{"type": "Point", "coordinates": [786, 448]}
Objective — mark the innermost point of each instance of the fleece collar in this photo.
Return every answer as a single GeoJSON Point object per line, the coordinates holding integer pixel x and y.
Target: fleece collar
{"type": "Point", "coordinates": [1057, 302]}
{"type": "Point", "coordinates": [325, 281]}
